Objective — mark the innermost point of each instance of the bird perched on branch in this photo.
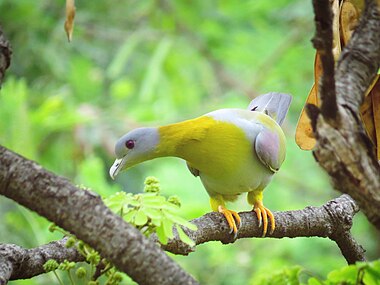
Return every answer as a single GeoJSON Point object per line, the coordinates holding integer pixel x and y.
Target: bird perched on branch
{"type": "Point", "coordinates": [233, 151]}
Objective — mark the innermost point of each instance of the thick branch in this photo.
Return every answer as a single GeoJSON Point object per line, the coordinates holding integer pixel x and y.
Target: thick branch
{"type": "Point", "coordinates": [323, 42]}
{"type": "Point", "coordinates": [84, 214]}
{"type": "Point", "coordinates": [345, 152]}
{"type": "Point", "coordinates": [360, 59]}
{"type": "Point", "coordinates": [21, 263]}
{"type": "Point", "coordinates": [332, 220]}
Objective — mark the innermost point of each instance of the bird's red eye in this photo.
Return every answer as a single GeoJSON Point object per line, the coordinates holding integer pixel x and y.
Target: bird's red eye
{"type": "Point", "coordinates": [130, 144]}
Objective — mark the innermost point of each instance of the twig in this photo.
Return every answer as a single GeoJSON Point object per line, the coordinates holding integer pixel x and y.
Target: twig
{"type": "Point", "coordinates": [21, 263]}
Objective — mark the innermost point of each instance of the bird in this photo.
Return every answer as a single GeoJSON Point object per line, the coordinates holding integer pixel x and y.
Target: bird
{"type": "Point", "coordinates": [233, 151]}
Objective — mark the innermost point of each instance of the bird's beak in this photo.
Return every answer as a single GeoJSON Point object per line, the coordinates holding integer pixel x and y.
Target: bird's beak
{"type": "Point", "coordinates": [116, 167]}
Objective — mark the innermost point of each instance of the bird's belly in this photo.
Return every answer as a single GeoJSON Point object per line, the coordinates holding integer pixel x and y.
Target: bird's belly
{"type": "Point", "coordinates": [249, 176]}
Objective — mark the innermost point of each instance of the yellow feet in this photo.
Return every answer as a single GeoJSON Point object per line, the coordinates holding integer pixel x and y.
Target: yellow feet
{"type": "Point", "coordinates": [262, 214]}
{"type": "Point", "coordinates": [232, 218]}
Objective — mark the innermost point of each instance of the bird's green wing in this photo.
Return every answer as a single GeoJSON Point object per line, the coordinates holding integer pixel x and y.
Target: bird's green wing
{"type": "Point", "coordinates": [193, 170]}
{"type": "Point", "coordinates": [270, 149]}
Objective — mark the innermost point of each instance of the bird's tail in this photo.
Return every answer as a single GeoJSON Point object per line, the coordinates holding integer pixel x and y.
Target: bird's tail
{"type": "Point", "coordinates": [274, 104]}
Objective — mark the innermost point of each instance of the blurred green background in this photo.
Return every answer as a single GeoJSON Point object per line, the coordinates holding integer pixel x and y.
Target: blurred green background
{"type": "Point", "coordinates": [147, 63]}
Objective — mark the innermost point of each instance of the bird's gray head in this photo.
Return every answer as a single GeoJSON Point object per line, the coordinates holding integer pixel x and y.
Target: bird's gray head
{"type": "Point", "coordinates": [134, 147]}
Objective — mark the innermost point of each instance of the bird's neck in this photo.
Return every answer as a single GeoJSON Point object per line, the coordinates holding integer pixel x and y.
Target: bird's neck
{"type": "Point", "coordinates": [178, 139]}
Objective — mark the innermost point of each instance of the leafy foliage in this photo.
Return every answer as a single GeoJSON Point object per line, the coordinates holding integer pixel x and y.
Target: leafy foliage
{"type": "Point", "coordinates": [97, 270]}
{"type": "Point", "coordinates": [287, 276]}
{"type": "Point", "coordinates": [150, 212]}
{"type": "Point", "coordinates": [360, 273]}
{"type": "Point", "coordinates": [367, 273]}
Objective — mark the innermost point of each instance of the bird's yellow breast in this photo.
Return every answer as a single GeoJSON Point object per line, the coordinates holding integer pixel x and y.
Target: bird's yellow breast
{"type": "Point", "coordinates": [219, 150]}
{"type": "Point", "coordinates": [215, 148]}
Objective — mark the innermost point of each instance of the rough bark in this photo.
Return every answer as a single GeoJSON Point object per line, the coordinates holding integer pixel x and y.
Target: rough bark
{"type": "Point", "coordinates": [323, 42]}
{"type": "Point", "coordinates": [332, 220]}
{"type": "Point", "coordinates": [20, 263]}
{"type": "Point", "coordinates": [343, 148]}
{"type": "Point", "coordinates": [84, 214]}
{"type": "Point", "coordinates": [5, 55]}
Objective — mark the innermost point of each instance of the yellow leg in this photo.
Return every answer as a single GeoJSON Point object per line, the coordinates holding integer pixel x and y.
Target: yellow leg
{"type": "Point", "coordinates": [256, 199]}
{"type": "Point", "coordinates": [232, 217]}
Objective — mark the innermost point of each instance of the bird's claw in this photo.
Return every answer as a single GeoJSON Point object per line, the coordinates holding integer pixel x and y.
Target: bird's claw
{"type": "Point", "coordinates": [262, 214]}
{"type": "Point", "coordinates": [233, 219]}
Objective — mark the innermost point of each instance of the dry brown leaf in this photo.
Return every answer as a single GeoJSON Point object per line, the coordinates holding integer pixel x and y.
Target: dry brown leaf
{"type": "Point", "coordinates": [70, 15]}
{"type": "Point", "coordinates": [344, 23]}
{"type": "Point", "coordinates": [304, 133]}
{"type": "Point", "coordinates": [349, 17]}
{"type": "Point", "coordinates": [372, 85]}
{"type": "Point", "coordinates": [336, 34]}
{"type": "Point", "coordinates": [317, 75]}
{"type": "Point", "coordinates": [370, 114]}
{"type": "Point", "coordinates": [376, 113]}
{"type": "Point", "coordinates": [366, 114]}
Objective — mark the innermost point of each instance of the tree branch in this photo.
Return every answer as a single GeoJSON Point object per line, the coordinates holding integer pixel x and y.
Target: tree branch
{"type": "Point", "coordinates": [332, 220]}
{"type": "Point", "coordinates": [323, 42]}
{"type": "Point", "coordinates": [345, 152]}
{"type": "Point", "coordinates": [360, 59]}
{"type": "Point", "coordinates": [20, 263]}
{"type": "Point", "coordinates": [84, 214]}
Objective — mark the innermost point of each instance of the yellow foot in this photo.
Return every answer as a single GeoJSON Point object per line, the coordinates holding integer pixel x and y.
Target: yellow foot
{"type": "Point", "coordinates": [262, 214]}
{"type": "Point", "coordinates": [232, 218]}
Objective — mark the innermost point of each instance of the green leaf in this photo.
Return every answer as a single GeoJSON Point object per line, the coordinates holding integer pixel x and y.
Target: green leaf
{"type": "Point", "coordinates": [168, 228]}
{"type": "Point", "coordinates": [181, 221]}
{"type": "Point", "coordinates": [152, 213]}
{"type": "Point", "coordinates": [314, 281]}
{"type": "Point", "coordinates": [135, 203]}
{"type": "Point", "coordinates": [372, 275]}
{"type": "Point", "coordinates": [128, 217]}
{"type": "Point", "coordinates": [170, 207]}
{"type": "Point", "coordinates": [157, 222]}
{"type": "Point", "coordinates": [184, 237]}
{"type": "Point", "coordinates": [287, 276]}
{"type": "Point", "coordinates": [161, 234]}
{"type": "Point", "coordinates": [347, 274]}
{"type": "Point", "coordinates": [117, 201]}
{"type": "Point", "coordinates": [374, 268]}
{"type": "Point", "coordinates": [153, 201]}
{"type": "Point", "coordinates": [140, 218]}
